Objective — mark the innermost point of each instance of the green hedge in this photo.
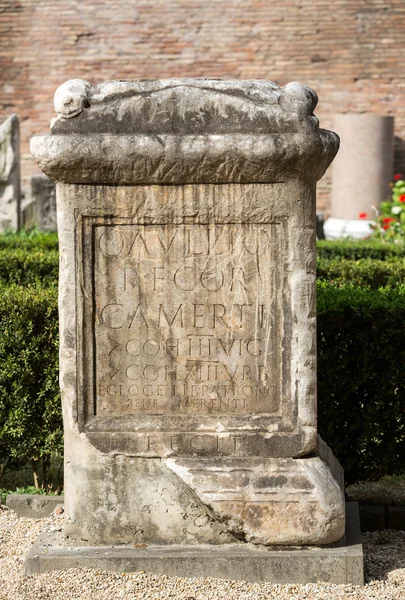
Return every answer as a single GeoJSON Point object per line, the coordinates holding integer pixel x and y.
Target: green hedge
{"type": "Point", "coordinates": [29, 240]}
{"type": "Point", "coordinates": [23, 266]}
{"type": "Point", "coordinates": [30, 413]}
{"type": "Point", "coordinates": [361, 383]}
{"type": "Point", "coordinates": [362, 272]}
{"type": "Point", "coordinates": [352, 250]}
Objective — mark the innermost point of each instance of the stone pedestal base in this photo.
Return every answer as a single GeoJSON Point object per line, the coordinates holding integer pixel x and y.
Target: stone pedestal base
{"type": "Point", "coordinates": [338, 564]}
{"type": "Point", "coordinates": [196, 500]}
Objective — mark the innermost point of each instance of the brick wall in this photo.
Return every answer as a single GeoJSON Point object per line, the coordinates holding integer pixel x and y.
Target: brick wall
{"type": "Point", "coordinates": [352, 52]}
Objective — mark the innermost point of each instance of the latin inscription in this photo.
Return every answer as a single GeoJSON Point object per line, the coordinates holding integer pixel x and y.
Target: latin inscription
{"type": "Point", "coordinates": [188, 318]}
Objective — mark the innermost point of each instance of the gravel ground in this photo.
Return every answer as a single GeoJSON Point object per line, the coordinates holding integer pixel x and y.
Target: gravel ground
{"type": "Point", "coordinates": [384, 556]}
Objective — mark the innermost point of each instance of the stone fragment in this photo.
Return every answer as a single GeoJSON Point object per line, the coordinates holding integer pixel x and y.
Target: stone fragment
{"type": "Point", "coordinates": [186, 216]}
{"type": "Point", "coordinates": [40, 209]}
{"type": "Point", "coordinates": [33, 506]}
{"type": "Point", "coordinates": [44, 195]}
{"type": "Point", "coordinates": [269, 501]}
{"type": "Point", "coordinates": [28, 213]}
{"type": "Point", "coordinates": [10, 193]}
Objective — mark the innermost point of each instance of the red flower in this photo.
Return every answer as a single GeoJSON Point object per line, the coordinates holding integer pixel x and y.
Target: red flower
{"type": "Point", "coordinates": [387, 222]}
{"type": "Point", "coordinates": [398, 176]}
{"type": "Point", "coordinates": [364, 215]}
{"type": "Point", "coordinates": [402, 198]}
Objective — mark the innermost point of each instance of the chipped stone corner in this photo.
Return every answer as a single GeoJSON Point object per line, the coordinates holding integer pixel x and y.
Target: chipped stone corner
{"type": "Point", "coordinates": [269, 501]}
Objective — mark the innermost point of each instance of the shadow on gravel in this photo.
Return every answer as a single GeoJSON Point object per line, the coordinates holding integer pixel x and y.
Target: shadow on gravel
{"type": "Point", "coordinates": [384, 555]}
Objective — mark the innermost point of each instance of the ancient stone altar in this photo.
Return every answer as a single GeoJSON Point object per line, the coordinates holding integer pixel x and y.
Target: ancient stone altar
{"type": "Point", "coordinates": [186, 216]}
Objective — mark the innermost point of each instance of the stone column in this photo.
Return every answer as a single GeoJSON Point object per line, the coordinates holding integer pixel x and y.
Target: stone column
{"type": "Point", "coordinates": [186, 216]}
{"type": "Point", "coordinates": [10, 187]}
{"type": "Point", "coordinates": [363, 168]}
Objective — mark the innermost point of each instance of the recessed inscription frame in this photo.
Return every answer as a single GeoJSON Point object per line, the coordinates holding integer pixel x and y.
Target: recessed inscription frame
{"type": "Point", "coordinates": [192, 277]}
{"type": "Point", "coordinates": [203, 429]}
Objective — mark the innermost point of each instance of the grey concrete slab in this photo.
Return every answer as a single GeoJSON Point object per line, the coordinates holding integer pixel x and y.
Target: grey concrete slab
{"type": "Point", "coordinates": [36, 506]}
{"type": "Point", "coordinates": [338, 564]}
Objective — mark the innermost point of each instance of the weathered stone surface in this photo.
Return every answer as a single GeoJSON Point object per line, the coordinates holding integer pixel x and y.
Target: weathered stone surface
{"type": "Point", "coordinates": [184, 131]}
{"type": "Point", "coordinates": [197, 351]}
{"type": "Point", "coordinates": [35, 506]}
{"type": "Point", "coordinates": [44, 195]}
{"type": "Point", "coordinates": [136, 159]}
{"type": "Point", "coordinates": [71, 98]}
{"type": "Point", "coordinates": [187, 313]}
{"type": "Point", "coordinates": [40, 210]}
{"type": "Point", "coordinates": [184, 106]}
{"type": "Point", "coordinates": [121, 500]}
{"type": "Point", "coordinates": [269, 501]}
{"type": "Point", "coordinates": [10, 174]}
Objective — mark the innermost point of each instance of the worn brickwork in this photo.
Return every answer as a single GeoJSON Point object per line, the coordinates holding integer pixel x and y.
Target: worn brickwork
{"type": "Point", "coordinates": [352, 52]}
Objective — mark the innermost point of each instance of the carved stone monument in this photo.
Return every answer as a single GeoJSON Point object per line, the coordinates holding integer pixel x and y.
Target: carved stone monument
{"type": "Point", "coordinates": [186, 216]}
{"type": "Point", "coordinates": [10, 188]}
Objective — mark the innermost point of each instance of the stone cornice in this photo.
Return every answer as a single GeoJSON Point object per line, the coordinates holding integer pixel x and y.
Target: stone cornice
{"type": "Point", "coordinates": [184, 131]}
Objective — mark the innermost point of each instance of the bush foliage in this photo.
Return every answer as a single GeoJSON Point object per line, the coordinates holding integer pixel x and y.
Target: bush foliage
{"type": "Point", "coordinates": [361, 353]}
{"type": "Point", "coordinates": [24, 267]}
{"type": "Point", "coordinates": [356, 250]}
{"type": "Point", "coordinates": [30, 413]}
{"type": "Point", "coordinates": [361, 384]}
{"type": "Point", "coordinates": [363, 272]}
{"type": "Point", "coordinates": [29, 240]}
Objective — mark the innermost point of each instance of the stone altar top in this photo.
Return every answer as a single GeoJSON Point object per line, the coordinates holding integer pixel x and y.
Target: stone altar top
{"type": "Point", "coordinates": [184, 131]}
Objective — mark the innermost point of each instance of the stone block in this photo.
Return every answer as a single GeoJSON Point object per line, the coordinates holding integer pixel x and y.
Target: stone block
{"type": "Point", "coordinates": [40, 209]}
{"type": "Point", "coordinates": [35, 506]}
{"type": "Point", "coordinates": [29, 217]}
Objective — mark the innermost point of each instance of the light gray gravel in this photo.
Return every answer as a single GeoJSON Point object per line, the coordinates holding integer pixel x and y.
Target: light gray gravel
{"type": "Point", "coordinates": [385, 572]}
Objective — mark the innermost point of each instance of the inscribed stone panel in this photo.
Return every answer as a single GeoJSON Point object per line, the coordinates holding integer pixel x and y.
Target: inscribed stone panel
{"type": "Point", "coordinates": [188, 318]}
